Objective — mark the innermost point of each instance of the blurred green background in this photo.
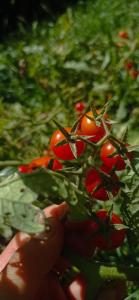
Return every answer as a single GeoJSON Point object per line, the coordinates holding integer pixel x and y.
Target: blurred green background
{"type": "Point", "coordinates": [54, 54]}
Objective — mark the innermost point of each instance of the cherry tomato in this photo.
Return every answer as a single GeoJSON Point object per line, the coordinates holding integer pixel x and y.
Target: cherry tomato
{"type": "Point", "coordinates": [129, 65]}
{"type": "Point", "coordinates": [79, 107]}
{"type": "Point", "coordinates": [24, 169]}
{"type": "Point", "coordinates": [44, 162]}
{"type": "Point", "coordinates": [94, 179]}
{"type": "Point", "coordinates": [116, 161]}
{"type": "Point", "coordinates": [108, 237]}
{"type": "Point", "coordinates": [90, 128]}
{"type": "Point", "coordinates": [77, 288]}
{"type": "Point", "coordinates": [63, 151]}
{"type": "Point", "coordinates": [123, 35]}
{"type": "Point", "coordinates": [133, 74]}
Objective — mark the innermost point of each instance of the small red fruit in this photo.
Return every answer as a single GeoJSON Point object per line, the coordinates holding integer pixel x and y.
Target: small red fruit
{"type": "Point", "coordinates": [129, 65]}
{"type": "Point", "coordinates": [123, 35]}
{"type": "Point", "coordinates": [24, 169]}
{"type": "Point", "coordinates": [108, 237]}
{"type": "Point", "coordinates": [116, 161]}
{"type": "Point", "coordinates": [63, 151]}
{"type": "Point", "coordinates": [98, 187]}
{"type": "Point", "coordinates": [44, 162]}
{"type": "Point", "coordinates": [90, 128]}
{"type": "Point", "coordinates": [79, 107]}
{"type": "Point", "coordinates": [133, 74]}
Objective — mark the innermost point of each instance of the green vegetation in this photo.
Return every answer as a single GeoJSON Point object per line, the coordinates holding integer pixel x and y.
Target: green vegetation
{"type": "Point", "coordinates": [49, 67]}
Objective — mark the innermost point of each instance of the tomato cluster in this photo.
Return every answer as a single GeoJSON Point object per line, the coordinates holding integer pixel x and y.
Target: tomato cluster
{"type": "Point", "coordinates": [100, 180]}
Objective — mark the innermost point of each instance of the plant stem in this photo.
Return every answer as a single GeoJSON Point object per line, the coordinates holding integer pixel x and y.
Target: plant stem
{"type": "Point", "coordinates": [9, 163]}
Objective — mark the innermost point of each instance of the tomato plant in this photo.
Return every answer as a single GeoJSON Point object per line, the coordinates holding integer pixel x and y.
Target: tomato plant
{"type": "Point", "coordinates": [88, 231]}
{"type": "Point", "coordinates": [64, 151]}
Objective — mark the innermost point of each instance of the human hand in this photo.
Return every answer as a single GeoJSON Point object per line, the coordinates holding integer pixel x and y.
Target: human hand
{"type": "Point", "coordinates": [27, 262]}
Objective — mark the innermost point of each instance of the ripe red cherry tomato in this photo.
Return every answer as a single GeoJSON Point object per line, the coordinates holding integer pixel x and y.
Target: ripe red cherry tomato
{"type": "Point", "coordinates": [93, 180]}
{"type": "Point", "coordinates": [123, 35]}
{"type": "Point", "coordinates": [116, 161]}
{"type": "Point", "coordinates": [79, 107]}
{"type": "Point", "coordinates": [24, 169]}
{"type": "Point", "coordinates": [90, 128]}
{"type": "Point", "coordinates": [108, 237]}
{"type": "Point", "coordinates": [133, 74]}
{"type": "Point", "coordinates": [129, 65]}
{"type": "Point", "coordinates": [64, 152]}
{"type": "Point", "coordinates": [44, 162]}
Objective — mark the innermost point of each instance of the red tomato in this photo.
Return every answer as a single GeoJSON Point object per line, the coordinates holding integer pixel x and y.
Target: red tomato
{"type": "Point", "coordinates": [133, 74]}
{"type": "Point", "coordinates": [77, 288]}
{"type": "Point", "coordinates": [89, 127]}
{"type": "Point", "coordinates": [79, 106]}
{"type": "Point", "coordinates": [64, 152]}
{"type": "Point", "coordinates": [123, 35]}
{"type": "Point", "coordinates": [116, 161]}
{"type": "Point", "coordinates": [108, 237]}
{"type": "Point", "coordinates": [94, 179]}
{"type": "Point", "coordinates": [24, 169]}
{"type": "Point", "coordinates": [44, 162]}
{"type": "Point", "coordinates": [129, 65]}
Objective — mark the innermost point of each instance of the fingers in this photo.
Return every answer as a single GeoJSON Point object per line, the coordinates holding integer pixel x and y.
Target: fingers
{"type": "Point", "coordinates": [31, 262]}
{"type": "Point", "coordinates": [21, 238]}
{"type": "Point", "coordinates": [18, 241]}
{"type": "Point", "coordinates": [57, 211]}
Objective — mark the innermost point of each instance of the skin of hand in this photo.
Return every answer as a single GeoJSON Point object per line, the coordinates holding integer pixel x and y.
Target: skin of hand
{"type": "Point", "coordinates": [26, 265]}
{"type": "Point", "coordinates": [26, 260]}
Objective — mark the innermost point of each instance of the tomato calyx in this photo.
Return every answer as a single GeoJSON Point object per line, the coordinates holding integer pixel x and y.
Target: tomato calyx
{"type": "Point", "coordinates": [66, 143]}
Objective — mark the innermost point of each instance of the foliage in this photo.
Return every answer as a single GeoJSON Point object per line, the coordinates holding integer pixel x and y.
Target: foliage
{"type": "Point", "coordinates": [57, 64]}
